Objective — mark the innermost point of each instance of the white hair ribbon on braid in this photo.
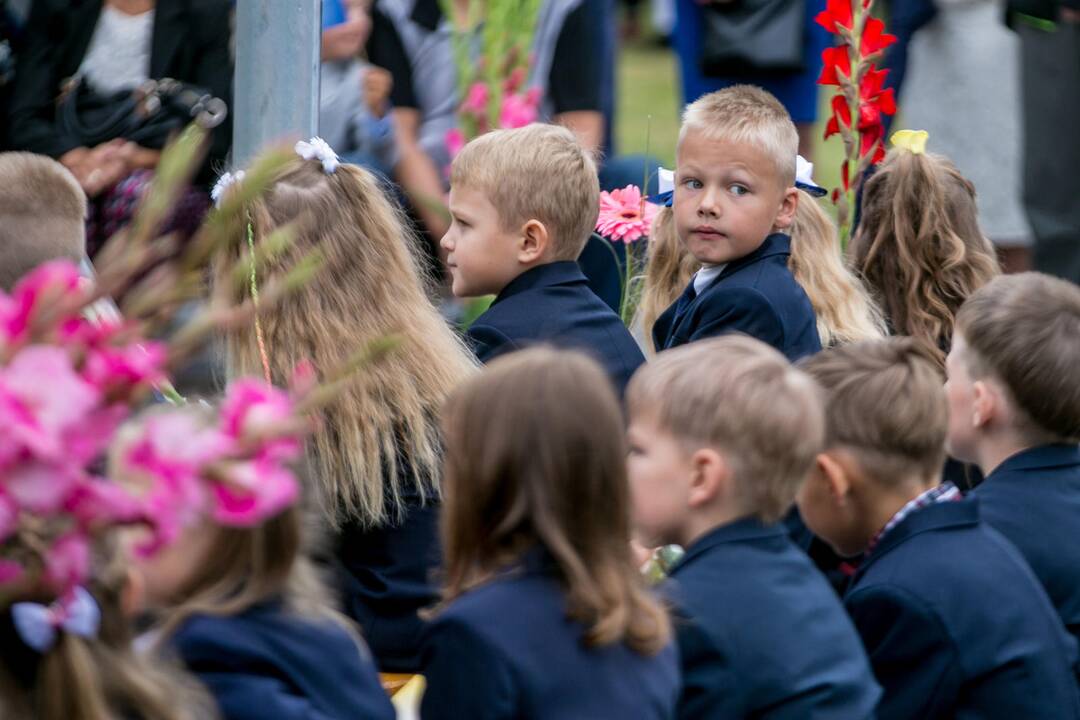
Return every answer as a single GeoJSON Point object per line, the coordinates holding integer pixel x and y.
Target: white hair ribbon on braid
{"type": "Point", "coordinates": [223, 184]}
{"type": "Point", "coordinates": [318, 149]}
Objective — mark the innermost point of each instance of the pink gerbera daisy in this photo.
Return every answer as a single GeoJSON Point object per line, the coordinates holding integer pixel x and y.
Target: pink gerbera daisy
{"type": "Point", "coordinates": [624, 216]}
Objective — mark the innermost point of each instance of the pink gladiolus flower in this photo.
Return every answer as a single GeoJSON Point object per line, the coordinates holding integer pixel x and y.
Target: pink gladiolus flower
{"type": "Point", "coordinates": [517, 111]}
{"type": "Point", "coordinates": [100, 501]}
{"type": "Point", "coordinates": [39, 487]}
{"type": "Point", "coordinates": [116, 368]}
{"type": "Point", "coordinates": [455, 141]}
{"type": "Point", "coordinates": [67, 562]}
{"type": "Point", "coordinates": [515, 80]}
{"type": "Point", "coordinates": [623, 216]}
{"type": "Point", "coordinates": [89, 440]}
{"type": "Point", "coordinates": [10, 571]}
{"type": "Point", "coordinates": [254, 410]}
{"type": "Point", "coordinates": [476, 100]}
{"type": "Point", "coordinates": [42, 286]}
{"type": "Point", "coordinates": [254, 491]}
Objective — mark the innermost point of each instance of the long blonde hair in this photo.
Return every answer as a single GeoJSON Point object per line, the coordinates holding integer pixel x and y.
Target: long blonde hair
{"type": "Point", "coordinates": [100, 677]}
{"type": "Point", "coordinates": [845, 312]}
{"type": "Point", "coordinates": [668, 269]}
{"type": "Point", "coordinates": [919, 246]}
{"type": "Point", "coordinates": [380, 435]}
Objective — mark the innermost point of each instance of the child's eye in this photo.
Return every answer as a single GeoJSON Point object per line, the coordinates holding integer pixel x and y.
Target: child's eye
{"type": "Point", "coordinates": [739, 189]}
{"type": "Point", "coordinates": [693, 183]}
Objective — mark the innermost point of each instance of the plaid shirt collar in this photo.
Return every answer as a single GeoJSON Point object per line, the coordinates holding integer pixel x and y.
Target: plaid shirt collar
{"type": "Point", "coordinates": [944, 492]}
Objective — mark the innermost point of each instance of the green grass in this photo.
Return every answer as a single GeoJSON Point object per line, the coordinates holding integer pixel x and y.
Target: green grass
{"type": "Point", "coordinates": [648, 111]}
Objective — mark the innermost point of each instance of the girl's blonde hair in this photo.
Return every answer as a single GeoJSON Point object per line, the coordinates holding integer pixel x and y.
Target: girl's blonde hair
{"type": "Point", "coordinates": [668, 268]}
{"type": "Point", "coordinates": [379, 437]}
{"type": "Point", "coordinates": [526, 469]}
{"type": "Point", "coordinates": [100, 677]}
{"type": "Point", "coordinates": [919, 246]}
{"type": "Point", "coordinates": [844, 310]}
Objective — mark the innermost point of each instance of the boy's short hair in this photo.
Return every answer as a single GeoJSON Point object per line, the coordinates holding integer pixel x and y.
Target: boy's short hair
{"type": "Point", "coordinates": [536, 172]}
{"type": "Point", "coordinates": [743, 398]}
{"type": "Point", "coordinates": [1024, 330]}
{"type": "Point", "coordinates": [42, 215]}
{"type": "Point", "coordinates": [747, 114]}
{"type": "Point", "coordinates": [885, 403]}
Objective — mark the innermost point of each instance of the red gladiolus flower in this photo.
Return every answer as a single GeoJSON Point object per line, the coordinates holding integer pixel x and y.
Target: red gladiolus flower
{"type": "Point", "coordinates": [874, 99]}
{"type": "Point", "coordinates": [840, 113]}
{"type": "Point", "coordinates": [874, 38]}
{"type": "Point", "coordinates": [837, 13]}
{"type": "Point", "coordinates": [870, 137]}
{"type": "Point", "coordinates": [844, 176]}
{"type": "Point", "coordinates": [835, 61]}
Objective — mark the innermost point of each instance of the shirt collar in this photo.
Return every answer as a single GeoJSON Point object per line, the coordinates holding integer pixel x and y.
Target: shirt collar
{"type": "Point", "coordinates": [556, 273]}
{"type": "Point", "coordinates": [1044, 456]}
{"type": "Point", "coordinates": [945, 492]}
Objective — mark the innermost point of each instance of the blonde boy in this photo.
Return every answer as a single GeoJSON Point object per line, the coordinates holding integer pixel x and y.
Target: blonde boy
{"type": "Point", "coordinates": [734, 199]}
{"type": "Point", "coordinates": [1014, 401]}
{"type": "Point", "coordinates": [951, 617]}
{"type": "Point", "coordinates": [42, 215]}
{"type": "Point", "coordinates": [721, 433]}
{"type": "Point", "coordinates": [523, 203]}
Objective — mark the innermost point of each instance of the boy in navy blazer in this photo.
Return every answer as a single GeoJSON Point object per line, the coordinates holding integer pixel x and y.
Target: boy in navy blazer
{"type": "Point", "coordinates": [721, 432]}
{"type": "Point", "coordinates": [1014, 398]}
{"type": "Point", "coordinates": [523, 203]}
{"type": "Point", "coordinates": [734, 196]}
{"type": "Point", "coordinates": [952, 618]}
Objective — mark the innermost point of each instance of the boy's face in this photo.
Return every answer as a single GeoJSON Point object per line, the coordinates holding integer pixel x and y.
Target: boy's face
{"type": "Point", "coordinates": [659, 471]}
{"type": "Point", "coordinates": [481, 256]}
{"type": "Point", "coordinates": [728, 198]}
{"type": "Point", "coordinates": [960, 392]}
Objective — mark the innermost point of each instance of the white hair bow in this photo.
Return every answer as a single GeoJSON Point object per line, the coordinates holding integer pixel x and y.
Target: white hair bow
{"type": "Point", "coordinates": [318, 149]}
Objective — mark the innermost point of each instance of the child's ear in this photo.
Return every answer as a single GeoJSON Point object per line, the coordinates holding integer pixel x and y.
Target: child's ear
{"type": "Point", "coordinates": [788, 205]}
{"type": "Point", "coordinates": [710, 479]}
{"type": "Point", "coordinates": [987, 404]}
{"type": "Point", "coordinates": [835, 474]}
{"type": "Point", "coordinates": [534, 241]}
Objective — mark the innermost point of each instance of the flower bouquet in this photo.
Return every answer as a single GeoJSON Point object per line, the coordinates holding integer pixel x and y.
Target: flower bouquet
{"type": "Point", "coordinates": [626, 217]}
{"type": "Point", "coordinates": [861, 100]}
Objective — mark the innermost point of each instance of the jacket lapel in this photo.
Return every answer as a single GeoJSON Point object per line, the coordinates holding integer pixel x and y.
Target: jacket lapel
{"type": "Point", "coordinates": [168, 36]}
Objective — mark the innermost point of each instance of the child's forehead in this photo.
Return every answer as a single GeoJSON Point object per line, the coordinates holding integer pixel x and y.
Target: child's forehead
{"type": "Point", "coordinates": [704, 150]}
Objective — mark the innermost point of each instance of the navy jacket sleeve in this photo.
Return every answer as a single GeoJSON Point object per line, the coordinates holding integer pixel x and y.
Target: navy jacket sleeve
{"type": "Point", "coordinates": [709, 685]}
{"type": "Point", "coordinates": [487, 341]}
{"type": "Point", "coordinates": [911, 652]}
{"type": "Point", "coordinates": [465, 678]}
{"type": "Point", "coordinates": [741, 310]}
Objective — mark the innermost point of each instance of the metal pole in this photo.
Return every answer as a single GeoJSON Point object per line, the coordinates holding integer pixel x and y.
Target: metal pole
{"type": "Point", "coordinates": [276, 93]}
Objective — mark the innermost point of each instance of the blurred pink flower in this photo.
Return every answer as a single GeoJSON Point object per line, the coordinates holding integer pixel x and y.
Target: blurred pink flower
{"type": "Point", "coordinates": [255, 411]}
{"type": "Point", "coordinates": [623, 216]}
{"type": "Point", "coordinates": [10, 571]}
{"type": "Point", "coordinates": [39, 487]}
{"type": "Point", "coordinates": [99, 501]}
{"type": "Point", "coordinates": [254, 491]}
{"type": "Point", "coordinates": [476, 100]}
{"type": "Point", "coordinates": [455, 141]}
{"type": "Point", "coordinates": [67, 562]}
{"type": "Point", "coordinates": [9, 517]}
{"type": "Point", "coordinates": [518, 110]}
{"type": "Point", "coordinates": [112, 368]}
{"type": "Point", "coordinates": [515, 80]}
{"type": "Point", "coordinates": [42, 286]}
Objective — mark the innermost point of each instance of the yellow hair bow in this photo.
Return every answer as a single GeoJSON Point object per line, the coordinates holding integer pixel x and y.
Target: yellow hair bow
{"type": "Point", "coordinates": [914, 141]}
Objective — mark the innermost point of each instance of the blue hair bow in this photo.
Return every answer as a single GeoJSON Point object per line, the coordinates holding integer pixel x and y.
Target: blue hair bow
{"type": "Point", "coordinates": [38, 624]}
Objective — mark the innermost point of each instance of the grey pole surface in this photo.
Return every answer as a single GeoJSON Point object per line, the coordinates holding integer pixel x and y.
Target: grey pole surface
{"type": "Point", "coordinates": [276, 93]}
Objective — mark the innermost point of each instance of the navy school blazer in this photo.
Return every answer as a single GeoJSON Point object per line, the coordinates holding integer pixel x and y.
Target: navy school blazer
{"type": "Point", "coordinates": [267, 663]}
{"type": "Point", "coordinates": [507, 650]}
{"type": "Point", "coordinates": [761, 634]}
{"type": "Point", "coordinates": [1033, 499]}
{"type": "Point", "coordinates": [957, 626]}
{"type": "Point", "coordinates": [553, 303]}
{"type": "Point", "coordinates": [755, 295]}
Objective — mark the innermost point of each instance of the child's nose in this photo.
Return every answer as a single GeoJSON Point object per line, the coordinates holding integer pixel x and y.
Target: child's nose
{"type": "Point", "coordinates": [446, 243]}
{"type": "Point", "coordinates": [709, 204]}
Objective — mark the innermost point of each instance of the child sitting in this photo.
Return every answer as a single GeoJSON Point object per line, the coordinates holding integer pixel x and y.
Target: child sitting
{"type": "Point", "coordinates": [734, 195]}
{"type": "Point", "coordinates": [375, 456]}
{"type": "Point", "coordinates": [243, 610]}
{"type": "Point", "coordinates": [953, 620]}
{"type": "Point", "coordinates": [44, 215]}
{"type": "Point", "coordinates": [918, 245]}
{"type": "Point", "coordinates": [523, 203]}
{"type": "Point", "coordinates": [721, 433]}
{"type": "Point", "coordinates": [546, 615]}
{"type": "Point", "coordinates": [91, 672]}
{"type": "Point", "coordinates": [1014, 402]}
{"type": "Point", "coordinates": [844, 310]}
